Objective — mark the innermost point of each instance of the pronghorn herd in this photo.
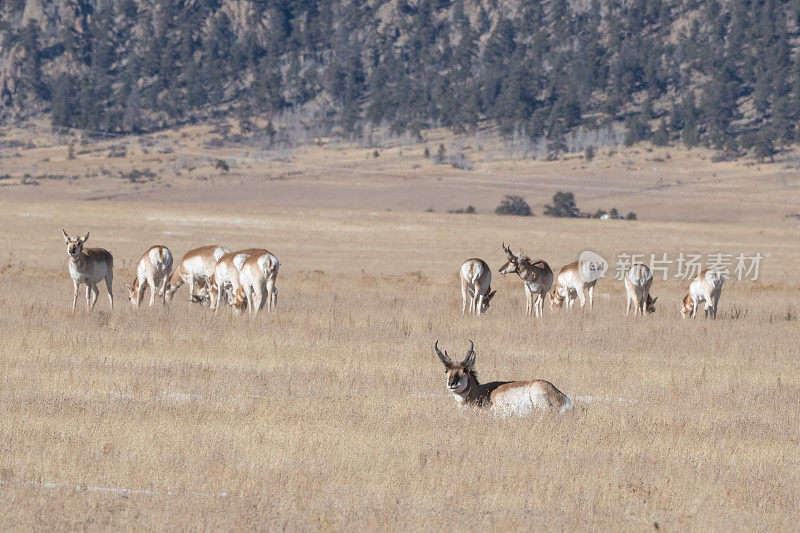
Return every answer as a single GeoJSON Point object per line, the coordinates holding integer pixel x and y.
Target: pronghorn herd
{"type": "Point", "coordinates": [246, 280]}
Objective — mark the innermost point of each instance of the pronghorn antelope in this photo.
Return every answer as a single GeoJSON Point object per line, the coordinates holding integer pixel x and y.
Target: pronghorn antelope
{"type": "Point", "coordinates": [504, 397]}
{"type": "Point", "coordinates": [537, 275]}
{"type": "Point", "coordinates": [89, 266]}
{"type": "Point", "coordinates": [257, 277]}
{"type": "Point", "coordinates": [225, 279]}
{"type": "Point", "coordinates": [705, 287]}
{"type": "Point", "coordinates": [195, 268]}
{"type": "Point", "coordinates": [638, 280]}
{"type": "Point", "coordinates": [153, 270]}
{"type": "Point", "coordinates": [569, 285]}
{"type": "Point", "coordinates": [476, 280]}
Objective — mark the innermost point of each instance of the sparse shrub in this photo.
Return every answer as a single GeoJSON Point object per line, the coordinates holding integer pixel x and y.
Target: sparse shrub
{"type": "Point", "coordinates": [599, 213]}
{"type": "Point", "coordinates": [430, 210]}
{"type": "Point", "coordinates": [631, 216]}
{"type": "Point", "coordinates": [427, 153]}
{"type": "Point", "coordinates": [376, 154]}
{"type": "Point", "coordinates": [589, 153]}
{"type": "Point", "coordinates": [461, 161]}
{"type": "Point", "coordinates": [563, 206]}
{"type": "Point", "coordinates": [440, 154]}
{"type": "Point", "coordinates": [469, 210]}
{"type": "Point", "coordinates": [514, 205]}
{"type": "Point", "coordinates": [222, 165]}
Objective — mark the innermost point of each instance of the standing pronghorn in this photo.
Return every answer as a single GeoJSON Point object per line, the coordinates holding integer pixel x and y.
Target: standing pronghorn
{"type": "Point", "coordinates": [638, 280]}
{"type": "Point", "coordinates": [153, 270]}
{"type": "Point", "coordinates": [89, 266]}
{"type": "Point", "coordinates": [195, 268]}
{"type": "Point", "coordinates": [571, 284]}
{"type": "Point", "coordinates": [705, 287]}
{"type": "Point", "coordinates": [504, 397]}
{"type": "Point", "coordinates": [476, 280]}
{"type": "Point", "coordinates": [225, 279]}
{"type": "Point", "coordinates": [537, 275]}
{"type": "Point", "coordinates": [257, 277]}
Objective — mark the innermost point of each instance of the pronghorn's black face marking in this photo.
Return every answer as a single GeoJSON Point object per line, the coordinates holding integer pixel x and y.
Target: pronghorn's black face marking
{"type": "Point", "coordinates": [74, 244]}
{"type": "Point", "coordinates": [650, 307]}
{"type": "Point", "coordinates": [458, 374]}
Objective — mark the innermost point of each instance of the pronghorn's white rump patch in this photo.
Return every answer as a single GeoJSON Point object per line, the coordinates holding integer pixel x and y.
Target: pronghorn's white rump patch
{"type": "Point", "coordinates": [82, 487]}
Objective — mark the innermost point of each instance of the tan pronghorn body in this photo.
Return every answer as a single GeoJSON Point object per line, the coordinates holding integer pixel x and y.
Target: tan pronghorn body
{"type": "Point", "coordinates": [705, 287]}
{"type": "Point", "coordinates": [504, 397]}
{"type": "Point", "coordinates": [89, 266]}
{"type": "Point", "coordinates": [571, 285]}
{"type": "Point", "coordinates": [476, 282]}
{"type": "Point", "coordinates": [536, 274]}
{"type": "Point", "coordinates": [195, 268]}
{"type": "Point", "coordinates": [638, 280]}
{"type": "Point", "coordinates": [153, 271]}
{"type": "Point", "coordinates": [225, 279]}
{"type": "Point", "coordinates": [257, 277]}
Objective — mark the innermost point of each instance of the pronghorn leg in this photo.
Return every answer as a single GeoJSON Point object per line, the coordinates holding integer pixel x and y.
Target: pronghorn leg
{"type": "Point", "coordinates": [581, 297]}
{"type": "Point", "coordinates": [528, 300]}
{"type": "Point", "coordinates": [628, 307]}
{"type": "Point", "coordinates": [75, 286]}
{"type": "Point", "coordinates": [191, 287]}
{"type": "Point", "coordinates": [88, 295]}
{"type": "Point", "coordinates": [152, 283]}
{"type": "Point", "coordinates": [271, 295]}
{"type": "Point", "coordinates": [163, 290]}
{"type": "Point", "coordinates": [479, 304]}
{"type": "Point", "coordinates": [591, 297]}
{"type": "Point", "coordinates": [464, 297]}
{"type": "Point", "coordinates": [109, 282]}
{"type": "Point", "coordinates": [694, 307]}
{"type": "Point", "coordinates": [95, 294]}
{"type": "Point", "coordinates": [716, 302]}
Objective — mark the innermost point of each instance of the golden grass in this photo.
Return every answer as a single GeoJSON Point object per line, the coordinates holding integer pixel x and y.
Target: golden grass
{"type": "Point", "coordinates": [332, 412]}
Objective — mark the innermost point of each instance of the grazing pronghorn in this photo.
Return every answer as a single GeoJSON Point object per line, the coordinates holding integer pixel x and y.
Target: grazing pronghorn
{"type": "Point", "coordinates": [257, 277]}
{"type": "Point", "coordinates": [638, 280]}
{"type": "Point", "coordinates": [89, 266]}
{"type": "Point", "coordinates": [476, 280]}
{"type": "Point", "coordinates": [569, 285]}
{"type": "Point", "coordinates": [153, 270]}
{"type": "Point", "coordinates": [225, 279]}
{"type": "Point", "coordinates": [195, 268]}
{"type": "Point", "coordinates": [705, 287]}
{"type": "Point", "coordinates": [504, 397]}
{"type": "Point", "coordinates": [537, 275]}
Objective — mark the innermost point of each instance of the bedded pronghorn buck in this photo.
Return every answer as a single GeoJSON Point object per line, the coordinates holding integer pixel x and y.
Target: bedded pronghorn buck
{"type": "Point", "coordinates": [571, 284]}
{"type": "Point", "coordinates": [536, 275]}
{"type": "Point", "coordinates": [476, 282]}
{"type": "Point", "coordinates": [503, 397]}
{"type": "Point", "coordinates": [153, 271]}
{"type": "Point", "coordinates": [257, 277]}
{"type": "Point", "coordinates": [638, 280]}
{"type": "Point", "coordinates": [89, 266]}
{"type": "Point", "coordinates": [195, 268]}
{"type": "Point", "coordinates": [705, 287]}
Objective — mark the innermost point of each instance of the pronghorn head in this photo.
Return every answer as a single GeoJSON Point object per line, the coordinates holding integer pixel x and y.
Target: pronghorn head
{"type": "Point", "coordinates": [687, 305]}
{"type": "Point", "coordinates": [458, 374]}
{"type": "Point", "coordinates": [650, 306]}
{"type": "Point", "coordinates": [133, 293]}
{"type": "Point", "coordinates": [240, 300]}
{"type": "Point", "coordinates": [556, 298]}
{"type": "Point", "coordinates": [74, 244]}
{"type": "Point", "coordinates": [512, 265]}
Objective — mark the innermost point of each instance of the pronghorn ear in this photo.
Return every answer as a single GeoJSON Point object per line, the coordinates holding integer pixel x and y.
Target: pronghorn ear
{"type": "Point", "coordinates": [66, 237]}
{"type": "Point", "coordinates": [86, 237]}
{"type": "Point", "coordinates": [491, 295]}
{"type": "Point", "coordinates": [654, 300]}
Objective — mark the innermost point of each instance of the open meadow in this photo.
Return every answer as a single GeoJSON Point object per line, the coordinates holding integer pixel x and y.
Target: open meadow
{"type": "Point", "coordinates": [332, 412]}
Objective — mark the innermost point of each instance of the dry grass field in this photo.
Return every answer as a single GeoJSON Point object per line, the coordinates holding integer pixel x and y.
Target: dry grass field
{"type": "Point", "coordinates": [332, 413]}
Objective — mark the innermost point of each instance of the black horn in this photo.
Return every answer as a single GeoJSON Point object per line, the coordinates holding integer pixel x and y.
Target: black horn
{"type": "Point", "coordinates": [446, 360]}
{"type": "Point", "coordinates": [470, 358]}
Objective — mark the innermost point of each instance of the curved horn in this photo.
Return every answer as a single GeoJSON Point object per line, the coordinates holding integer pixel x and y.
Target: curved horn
{"type": "Point", "coordinates": [469, 360]}
{"type": "Point", "coordinates": [446, 360]}
{"type": "Point", "coordinates": [507, 249]}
